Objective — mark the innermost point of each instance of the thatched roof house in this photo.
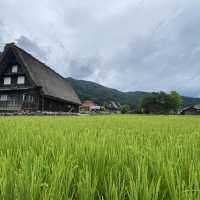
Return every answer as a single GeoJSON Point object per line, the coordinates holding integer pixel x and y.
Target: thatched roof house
{"type": "Point", "coordinates": [192, 110]}
{"type": "Point", "coordinates": [50, 90]}
{"type": "Point", "coordinates": [114, 106]}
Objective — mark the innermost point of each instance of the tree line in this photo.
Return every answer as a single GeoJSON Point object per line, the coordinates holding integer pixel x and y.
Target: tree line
{"type": "Point", "coordinates": [157, 103]}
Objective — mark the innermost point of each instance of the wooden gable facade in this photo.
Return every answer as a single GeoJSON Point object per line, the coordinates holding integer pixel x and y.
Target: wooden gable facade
{"type": "Point", "coordinates": [26, 84]}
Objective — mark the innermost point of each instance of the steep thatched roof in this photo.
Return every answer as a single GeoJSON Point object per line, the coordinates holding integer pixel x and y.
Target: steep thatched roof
{"type": "Point", "coordinates": [52, 84]}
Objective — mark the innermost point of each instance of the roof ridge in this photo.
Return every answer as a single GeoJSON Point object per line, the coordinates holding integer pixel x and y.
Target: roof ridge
{"type": "Point", "coordinates": [37, 60]}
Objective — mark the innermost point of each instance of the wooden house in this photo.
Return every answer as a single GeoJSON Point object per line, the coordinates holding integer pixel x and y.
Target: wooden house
{"type": "Point", "coordinates": [89, 106]}
{"type": "Point", "coordinates": [192, 110]}
{"type": "Point", "coordinates": [27, 84]}
{"type": "Point", "coordinates": [114, 106]}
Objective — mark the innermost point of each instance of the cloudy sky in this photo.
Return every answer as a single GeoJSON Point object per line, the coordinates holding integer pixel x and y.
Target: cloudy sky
{"type": "Point", "coordinates": [148, 45]}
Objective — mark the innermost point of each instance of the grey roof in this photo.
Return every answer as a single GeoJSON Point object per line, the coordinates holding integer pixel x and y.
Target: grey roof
{"type": "Point", "coordinates": [197, 106]}
{"type": "Point", "coordinates": [114, 105]}
{"type": "Point", "coordinates": [53, 84]}
{"type": "Point", "coordinates": [186, 108]}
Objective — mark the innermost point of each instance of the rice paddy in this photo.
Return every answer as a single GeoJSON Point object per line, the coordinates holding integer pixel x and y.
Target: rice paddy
{"type": "Point", "coordinates": [103, 157]}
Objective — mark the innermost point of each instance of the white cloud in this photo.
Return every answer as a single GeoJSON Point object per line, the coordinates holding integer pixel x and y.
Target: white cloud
{"type": "Point", "coordinates": [130, 44]}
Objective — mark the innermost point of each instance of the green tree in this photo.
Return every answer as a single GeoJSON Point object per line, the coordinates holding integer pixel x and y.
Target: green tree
{"type": "Point", "coordinates": [175, 100]}
{"type": "Point", "coordinates": [125, 109]}
{"type": "Point", "coordinates": [161, 103]}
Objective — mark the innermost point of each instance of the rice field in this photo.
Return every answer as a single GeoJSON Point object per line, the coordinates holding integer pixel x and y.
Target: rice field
{"type": "Point", "coordinates": [103, 157]}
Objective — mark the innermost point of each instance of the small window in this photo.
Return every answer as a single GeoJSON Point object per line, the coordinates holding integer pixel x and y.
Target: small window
{"type": "Point", "coordinates": [7, 80]}
{"type": "Point", "coordinates": [3, 97]}
{"type": "Point", "coordinates": [31, 98]}
{"type": "Point", "coordinates": [14, 69]}
{"type": "Point", "coordinates": [24, 97]}
{"type": "Point", "coordinates": [21, 80]}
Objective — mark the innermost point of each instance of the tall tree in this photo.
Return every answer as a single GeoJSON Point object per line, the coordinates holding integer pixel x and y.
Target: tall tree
{"type": "Point", "coordinates": [175, 100]}
{"type": "Point", "coordinates": [161, 103]}
{"type": "Point", "coordinates": [125, 109]}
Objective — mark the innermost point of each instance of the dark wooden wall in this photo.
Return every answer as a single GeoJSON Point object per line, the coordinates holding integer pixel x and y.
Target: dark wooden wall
{"type": "Point", "coordinates": [48, 104]}
{"type": "Point", "coordinates": [24, 100]}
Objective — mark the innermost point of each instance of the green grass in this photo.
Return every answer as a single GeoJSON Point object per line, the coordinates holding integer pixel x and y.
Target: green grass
{"type": "Point", "coordinates": [105, 157]}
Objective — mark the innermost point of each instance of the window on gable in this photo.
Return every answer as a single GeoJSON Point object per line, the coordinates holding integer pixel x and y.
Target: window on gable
{"type": "Point", "coordinates": [14, 69]}
{"type": "Point", "coordinates": [7, 80]}
{"type": "Point", "coordinates": [20, 80]}
{"type": "Point", "coordinates": [3, 97]}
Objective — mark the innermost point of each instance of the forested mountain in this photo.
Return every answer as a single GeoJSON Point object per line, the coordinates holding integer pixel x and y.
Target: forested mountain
{"type": "Point", "coordinates": [101, 94]}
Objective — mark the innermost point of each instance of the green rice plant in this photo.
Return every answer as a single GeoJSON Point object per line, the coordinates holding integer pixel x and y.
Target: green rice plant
{"type": "Point", "coordinates": [113, 157]}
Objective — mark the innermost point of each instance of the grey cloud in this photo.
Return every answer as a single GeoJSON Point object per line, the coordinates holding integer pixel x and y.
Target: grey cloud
{"type": "Point", "coordinates": [4, 35]}
{"type": "Point", "coordinates": [83, 67]}
{"type": "Point", "coordinates": [32, 47]}
{"type": "Point", "coordinates": [1, 35]}
{"type": "Point", "coordinates": [160, 61]}
{"type": "Point", "coordinates": [130, 45]}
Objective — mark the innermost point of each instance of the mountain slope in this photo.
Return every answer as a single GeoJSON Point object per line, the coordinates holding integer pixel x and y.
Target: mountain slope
{"type": "Point", "coordinates": [101, 94]}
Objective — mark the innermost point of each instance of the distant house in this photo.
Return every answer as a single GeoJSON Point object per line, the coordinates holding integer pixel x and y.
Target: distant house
{"type": "Point", "coordinates": [89, 106]}
{"type": "Point", "coordinates": [26, 84]}
{"type": "Point", "coordinates": [192, 110]}
{"type": "Point", "coordinates": [114, 106]}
